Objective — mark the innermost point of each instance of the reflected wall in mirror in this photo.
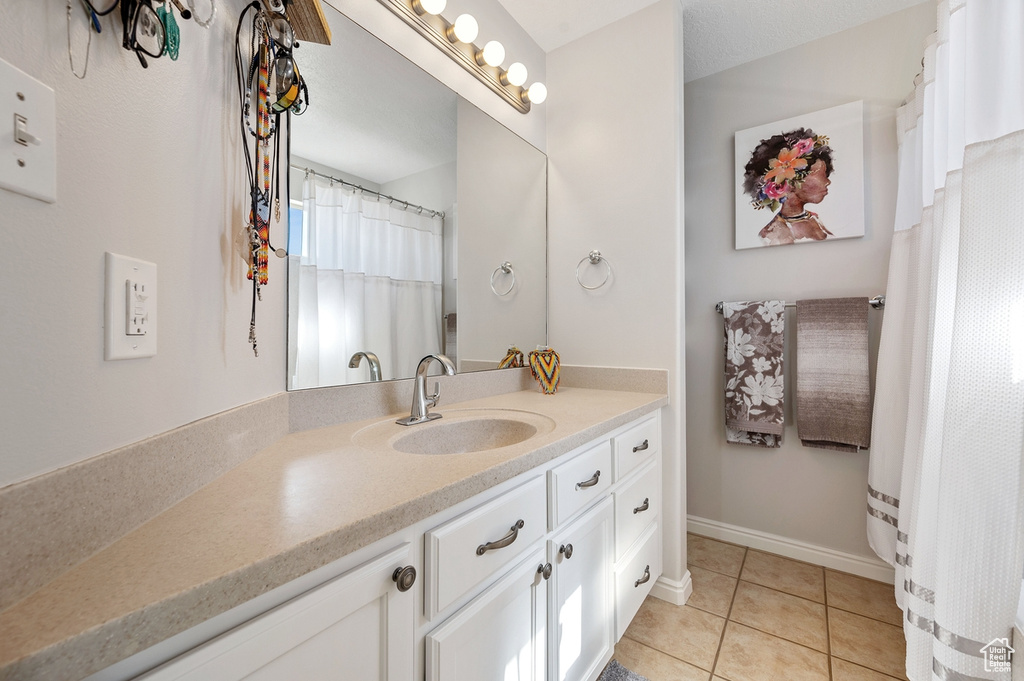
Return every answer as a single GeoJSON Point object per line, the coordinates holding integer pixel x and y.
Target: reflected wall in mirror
{"type": "Point", "coordinates": [405, 199]}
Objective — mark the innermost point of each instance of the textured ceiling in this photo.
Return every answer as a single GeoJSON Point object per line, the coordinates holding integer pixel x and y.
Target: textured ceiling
{"type": "Point", "coordinates": [717, 34]}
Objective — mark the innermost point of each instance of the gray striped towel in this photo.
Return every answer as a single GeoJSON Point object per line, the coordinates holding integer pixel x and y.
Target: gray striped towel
{"type": "Point", "coordinates": [833, 395]}
{"type": "Point", "coordinates": [754, 385]}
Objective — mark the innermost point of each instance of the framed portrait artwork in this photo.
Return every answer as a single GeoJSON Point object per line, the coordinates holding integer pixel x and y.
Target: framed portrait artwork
{"type": "Point", "coordinates": [801, 180]}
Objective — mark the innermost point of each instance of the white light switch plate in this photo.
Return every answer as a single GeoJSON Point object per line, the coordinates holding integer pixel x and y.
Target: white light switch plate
{"type": "Point", "coordinates": [30, 168]}
{"type": "Point", "coordinates": [129, 309]}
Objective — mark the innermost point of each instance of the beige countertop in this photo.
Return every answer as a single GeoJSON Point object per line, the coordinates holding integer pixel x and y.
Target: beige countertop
{"type": "Point", "coordinates": [310, 498]}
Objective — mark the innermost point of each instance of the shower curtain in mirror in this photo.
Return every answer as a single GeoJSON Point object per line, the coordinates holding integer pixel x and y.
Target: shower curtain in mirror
{"type": "Point", "coordinates": [368, 279]}
{"type": "Point", "coordinates": [945, 503]}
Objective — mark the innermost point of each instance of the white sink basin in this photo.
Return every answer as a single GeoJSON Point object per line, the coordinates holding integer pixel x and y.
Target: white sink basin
{"type": "Point", "coordinates": [459, 431]}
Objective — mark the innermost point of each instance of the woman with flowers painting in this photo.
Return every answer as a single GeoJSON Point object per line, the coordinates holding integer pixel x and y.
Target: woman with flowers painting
{"type": "Point", "coordinates": [785, 173]}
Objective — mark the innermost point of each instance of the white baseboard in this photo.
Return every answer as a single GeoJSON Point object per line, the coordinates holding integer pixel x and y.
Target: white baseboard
{"type": "Point", "coordinates": [671, 591]}
{"type": "Point", "coordinates": [790, 548]}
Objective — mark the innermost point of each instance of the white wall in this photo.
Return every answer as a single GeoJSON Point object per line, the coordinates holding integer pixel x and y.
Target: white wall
{"type": "Point", "coordinates": [149, 165]}
{"type": "Point", "coordinates": [614, 183]}
{"type": "Point", "coordinates": [502, 215]}
{"type": "Point", "coordinates": [810, 495]}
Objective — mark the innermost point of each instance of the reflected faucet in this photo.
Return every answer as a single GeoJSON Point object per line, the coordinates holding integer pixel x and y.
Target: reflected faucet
{"type": "Point", "coordinates": [421, 404]}
{"type": "Point", "coordinates": [371, 359]}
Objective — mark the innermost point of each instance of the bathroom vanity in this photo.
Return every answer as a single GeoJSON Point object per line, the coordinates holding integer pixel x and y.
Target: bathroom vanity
{"type": "Point", "coordinates": [333, 547]}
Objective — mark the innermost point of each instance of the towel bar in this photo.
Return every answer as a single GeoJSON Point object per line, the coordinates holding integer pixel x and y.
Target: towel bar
{"type": "Point", "coordinates": [877, 302]}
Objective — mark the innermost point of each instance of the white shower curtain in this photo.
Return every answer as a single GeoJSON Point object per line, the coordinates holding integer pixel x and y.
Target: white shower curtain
{"type": "Point", "coordinates": [945, 501]}
{"type": "Point", "coordinates": [368, 279]}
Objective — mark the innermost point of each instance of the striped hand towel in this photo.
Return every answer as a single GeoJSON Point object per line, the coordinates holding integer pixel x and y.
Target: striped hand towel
{"type": "Point", "coordinates": [833, 397]}
{"type": "Point", "coordinates": [754, 385]}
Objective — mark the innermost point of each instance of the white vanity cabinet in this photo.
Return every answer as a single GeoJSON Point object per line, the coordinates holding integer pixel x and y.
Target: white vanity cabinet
{"type": "Point", "coordinates": [592, 544]}
{"type": "Point", "coordinates": [358, 626]}
{"type": "Point", "coordinates": [581, 614]}
{"type": "Point", "coordinates": [500, 634]}
{"type": "Point", "coordinates": [532, 580]}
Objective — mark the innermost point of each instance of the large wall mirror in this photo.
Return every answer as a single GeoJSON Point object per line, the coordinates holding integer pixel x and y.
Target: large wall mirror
{"type": "Point", "coordinates": [417, 222]}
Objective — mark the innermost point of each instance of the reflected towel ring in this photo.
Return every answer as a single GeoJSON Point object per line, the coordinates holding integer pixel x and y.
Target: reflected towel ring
{"type": "Point", "coordinates": [594, 257]}
{"type": "Point", "coordinates": [505, 267]}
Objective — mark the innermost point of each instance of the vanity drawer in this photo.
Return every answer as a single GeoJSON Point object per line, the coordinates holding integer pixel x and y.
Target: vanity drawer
{"type": "Point", "coordinates": [635, 577]}
{"type": "Point", "coordinates": [578, 482]}
{"type": "Point", "coordinates": [456, 559]}
{"type": "Point", "coordinates": [637, 504]}
{"type": "Point", "coordinates": [636, 445]}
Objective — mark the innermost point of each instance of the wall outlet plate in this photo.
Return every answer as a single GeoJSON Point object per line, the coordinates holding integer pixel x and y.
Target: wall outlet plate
{"type": "Point", "coordinates": [129, 310]}
{"type": "Point", "coordinates": [28, 112]}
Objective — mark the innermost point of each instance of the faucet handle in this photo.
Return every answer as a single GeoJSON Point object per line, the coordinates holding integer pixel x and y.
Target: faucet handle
{"type": "Point", "coordinates": [432, 400]}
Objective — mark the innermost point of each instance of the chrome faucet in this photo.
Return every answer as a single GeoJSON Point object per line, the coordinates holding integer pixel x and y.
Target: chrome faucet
{"type": "Point", "coordinates": [421, 404]}
{"type": "Point", "coordinates": [371, 359]}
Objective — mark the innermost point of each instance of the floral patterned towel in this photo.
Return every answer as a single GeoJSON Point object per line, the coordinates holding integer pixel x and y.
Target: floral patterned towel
{"type": "Point", "coordinates": [753, 372]}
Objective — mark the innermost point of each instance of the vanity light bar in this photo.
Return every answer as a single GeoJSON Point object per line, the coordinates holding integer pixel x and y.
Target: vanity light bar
{"type": "Point", "coordinates": [436, 28]}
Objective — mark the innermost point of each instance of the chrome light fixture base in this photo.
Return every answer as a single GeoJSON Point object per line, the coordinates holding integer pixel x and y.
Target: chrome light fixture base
{"type": "Point", "coordinates": [435, 28]}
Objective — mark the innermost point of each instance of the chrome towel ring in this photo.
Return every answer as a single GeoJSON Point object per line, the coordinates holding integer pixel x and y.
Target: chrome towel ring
{"type": "Point", "coordinates": [505, 267]}
{"type": "Point", "coordinates": [595, 258]}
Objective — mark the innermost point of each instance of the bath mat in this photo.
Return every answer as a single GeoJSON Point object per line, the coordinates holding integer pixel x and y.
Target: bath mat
{"type": "Point", "coordinates": [616, 672]}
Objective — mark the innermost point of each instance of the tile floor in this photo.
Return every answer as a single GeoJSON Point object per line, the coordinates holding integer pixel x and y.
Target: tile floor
{"type": "Point", "coordinates": [755, 616]}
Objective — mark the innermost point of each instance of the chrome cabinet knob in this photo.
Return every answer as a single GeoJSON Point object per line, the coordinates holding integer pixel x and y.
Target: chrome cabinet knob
{"type": "Point", "coordinates": [544, 570]}
{"type": "Point", "coordinates": [566, 549]}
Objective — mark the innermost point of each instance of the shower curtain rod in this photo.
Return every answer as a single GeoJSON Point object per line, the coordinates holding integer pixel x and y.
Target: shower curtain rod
{"type": "Point", "coordinates": [391, 199]}
{"type": "Point", "coordinates": [878, 302]}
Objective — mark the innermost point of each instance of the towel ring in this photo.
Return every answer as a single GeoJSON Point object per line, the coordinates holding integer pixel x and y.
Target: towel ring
{"type": "Point", "coordinates": [505, 267]}
{"type": "Point", "coordinates": [594, 257]}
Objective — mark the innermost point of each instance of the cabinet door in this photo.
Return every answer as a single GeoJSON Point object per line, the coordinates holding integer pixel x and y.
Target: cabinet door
{"type": "Point", "coordinates": [581, 599]}
{"type": "Point", "coordinates": [499, 635]}
{"type": "Point", "coordinates": [357, 627]}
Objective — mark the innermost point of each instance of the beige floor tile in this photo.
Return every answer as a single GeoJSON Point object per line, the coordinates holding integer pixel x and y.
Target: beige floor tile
{"type": "Point", "coordinates": [714, 555]}
{"type": "Point", "coordinates": [790, 617]}
{"type": "Point", "coordinates": [783, 574]}
{"type": "Point", "coordinates": [867, 642]}
{"type": "Point", "coordinates": [751, 655]}
{"type": "Point", "coordinates": [848, 671]}
{"type": "Point", "coordinates": [654, 664]}
{"type": "Point", "coordinates": [862, 596]}
{"type": "Point", "coordinates": [712, 591]}
{"type": "Point", "coordinates": [683, 632]}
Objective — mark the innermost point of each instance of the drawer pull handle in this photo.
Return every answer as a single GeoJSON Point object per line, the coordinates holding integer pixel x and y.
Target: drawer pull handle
{"type": "Point", "coordinates": [646, 578]}
{"type": "Point", "coordinates": [566, 549]}
{"type": "Point", "coordinates": [643, 507]}
{"type": "Point", "coordinates": [641, 447]}
{"type": "Point", "coordinates": [503, 542]}
{"type": "Point", "coordinates": [404, 577]}
{"type": "Point", "coordinates": [544, 570]}
{"type": "Point", "coordinates": [589, 483]}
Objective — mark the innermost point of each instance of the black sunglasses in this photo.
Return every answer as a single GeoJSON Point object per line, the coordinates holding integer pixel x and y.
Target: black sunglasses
{"type": "Point", "coordinates": [143, 30]}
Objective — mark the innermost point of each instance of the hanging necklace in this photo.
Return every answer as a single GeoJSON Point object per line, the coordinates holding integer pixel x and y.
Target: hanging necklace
{"type": "Point", "coordinates": [172, 36]}
{"type": "Point", "coordinates": [796, 218]}
{"type": "Point", "coordinates": [94, 22]}
{"type": "Point", "coordinates": [257, 158]}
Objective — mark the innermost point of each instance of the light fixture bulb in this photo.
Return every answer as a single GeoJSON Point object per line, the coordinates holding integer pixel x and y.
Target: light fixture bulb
{"type": "Point", "coordinates": [516, 75]}
{"type": "Point", "coordinates": [537, 93]}
{"type": "Point", "coordinates": [492, 54]}
{"type": "Point", "coordinates": [465, 29]}
{"type": "Point", "coordinates": [429, 6]}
